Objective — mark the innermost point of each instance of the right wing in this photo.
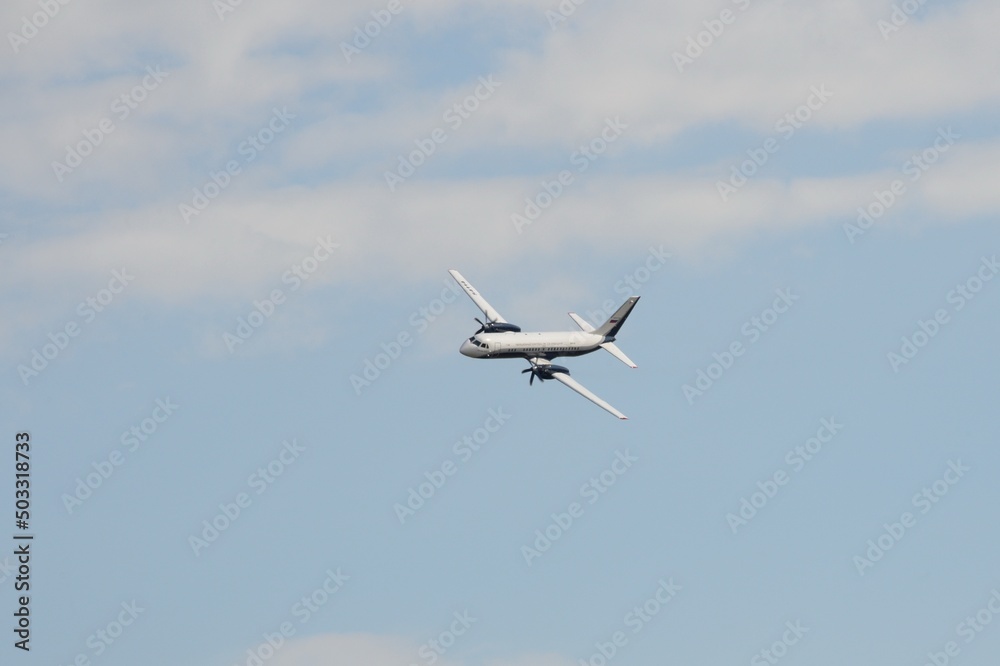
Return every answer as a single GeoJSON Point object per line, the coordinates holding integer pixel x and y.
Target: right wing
{"type": "Point", "coordinates": [582, 390]}
{"type": "Point", "coordinates": [488, 310]}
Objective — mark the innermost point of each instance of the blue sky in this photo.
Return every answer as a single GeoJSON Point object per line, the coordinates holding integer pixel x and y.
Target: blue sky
{"type": "Point", "coordinates": [260, 113]}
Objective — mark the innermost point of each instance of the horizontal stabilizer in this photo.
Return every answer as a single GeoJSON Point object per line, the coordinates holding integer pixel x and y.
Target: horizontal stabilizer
{"type": "Point", "coordinates": [581, 322]}
{"type": "Point", "coordinates": [619, 354]}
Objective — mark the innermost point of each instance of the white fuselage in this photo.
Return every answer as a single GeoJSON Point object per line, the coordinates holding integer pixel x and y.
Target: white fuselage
{"type": "Point", "coordinates": [529, 345]}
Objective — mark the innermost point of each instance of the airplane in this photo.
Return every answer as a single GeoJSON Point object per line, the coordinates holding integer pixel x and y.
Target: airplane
{"type": "Point", "coordinates": [498, 338]}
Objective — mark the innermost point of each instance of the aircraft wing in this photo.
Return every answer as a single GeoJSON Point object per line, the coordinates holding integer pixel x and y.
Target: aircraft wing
{"type": "Point", "coordinates": [582, 390]}
{"type": "Point", "coordinates": [488, 310]}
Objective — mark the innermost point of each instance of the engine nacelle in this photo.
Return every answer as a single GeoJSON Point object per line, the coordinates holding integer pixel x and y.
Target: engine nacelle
{"type": "Point", "coordinates": [501, 327]}
{"type": "Point", "coordinates": [548, 370]}
{"type": "Point", "coordinates": [544, 372]}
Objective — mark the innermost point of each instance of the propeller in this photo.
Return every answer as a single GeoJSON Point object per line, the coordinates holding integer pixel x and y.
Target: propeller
{"type": "Point", "coordinates": [544, 371]}
{"type": "Point", "coordinates": [482, 326]}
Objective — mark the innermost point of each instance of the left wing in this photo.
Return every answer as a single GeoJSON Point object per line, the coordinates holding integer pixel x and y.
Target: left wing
{"type": "Point", "coordinates": [488, 310]}
{"type": "Point", "coordinates": [564, 378]}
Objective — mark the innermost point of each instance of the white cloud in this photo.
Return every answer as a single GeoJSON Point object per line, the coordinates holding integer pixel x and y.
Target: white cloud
{"type": "Point", "coordinates": [965, 185]}
{"type": "Point", "coordinates": [618, 59]}
{"type": "Point", "coordinates": [244, 241]}
{"type": "Point", "coordinates": [608, 60]}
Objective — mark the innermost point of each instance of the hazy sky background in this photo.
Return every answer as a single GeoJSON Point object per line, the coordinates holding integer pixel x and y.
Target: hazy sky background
{"type": "Point", "coordinates": [169, 171]}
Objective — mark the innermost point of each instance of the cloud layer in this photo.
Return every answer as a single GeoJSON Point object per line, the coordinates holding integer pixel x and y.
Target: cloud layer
{"type": "Point", "coordinates": [200, 189]}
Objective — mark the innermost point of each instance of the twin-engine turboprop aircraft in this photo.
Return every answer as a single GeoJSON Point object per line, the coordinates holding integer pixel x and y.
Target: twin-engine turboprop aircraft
{"type": "Point", "coordinates": [497, 338]}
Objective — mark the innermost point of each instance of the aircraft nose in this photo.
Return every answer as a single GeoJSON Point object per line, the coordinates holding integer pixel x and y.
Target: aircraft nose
{"type": "Point", "coordinates": [466, 348]}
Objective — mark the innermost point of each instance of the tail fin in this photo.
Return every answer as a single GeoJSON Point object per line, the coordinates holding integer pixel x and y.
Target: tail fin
{"type": "Point", "coordinates": [611, 326]}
